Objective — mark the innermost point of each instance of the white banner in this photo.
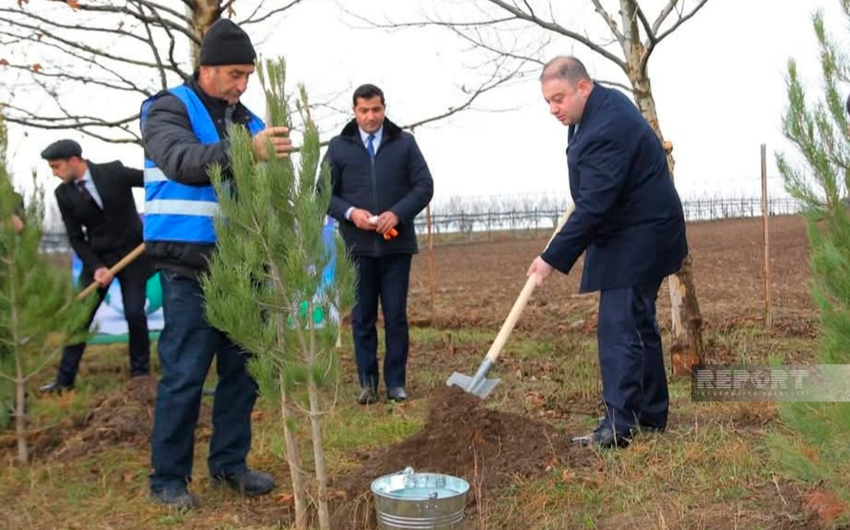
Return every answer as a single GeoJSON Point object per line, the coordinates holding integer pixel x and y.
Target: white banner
{"type": "Point", "coordinates": [109, 321]}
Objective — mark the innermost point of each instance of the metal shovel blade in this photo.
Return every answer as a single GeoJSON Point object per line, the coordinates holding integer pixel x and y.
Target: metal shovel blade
{"type": "Point", "coordinates": [481, 389]}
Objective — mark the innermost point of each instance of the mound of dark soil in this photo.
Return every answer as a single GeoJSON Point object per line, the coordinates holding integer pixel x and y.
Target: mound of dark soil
{"type": "Point", "coordinates": [462, 438]}
{"type": "Point", "coordinates": [123, 417]}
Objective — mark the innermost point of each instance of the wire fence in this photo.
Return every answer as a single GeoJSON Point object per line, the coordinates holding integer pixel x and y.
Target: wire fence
{"type": "Point", "coordinates": [471, 220]}
{"type": "Point", "coordinates": [520, 215]}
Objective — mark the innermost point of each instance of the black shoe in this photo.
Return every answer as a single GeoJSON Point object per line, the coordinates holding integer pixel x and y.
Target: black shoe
{"type": "Point", "coordinates": [55, 388]}
{"type": "Point", "coordinates": [606, 437]}
{"type": "Point", "coordinates": [368, 395]}
{"type": "Point", "coordinates": [176, 496]}
{"type": "Point", "coordinates": [396, 393]}
{"type": "Point", "coordinates": [247, 482]}
{"type": "Point", "coordinates": [651, 429]}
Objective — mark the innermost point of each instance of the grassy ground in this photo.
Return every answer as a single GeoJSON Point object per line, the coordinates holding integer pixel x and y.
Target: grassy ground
{"type": "Point", "coordinates": [711, 470]}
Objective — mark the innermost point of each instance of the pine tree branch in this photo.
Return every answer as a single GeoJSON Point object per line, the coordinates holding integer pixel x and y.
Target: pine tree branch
{"type": "Point", "coordinates": [44, 363]}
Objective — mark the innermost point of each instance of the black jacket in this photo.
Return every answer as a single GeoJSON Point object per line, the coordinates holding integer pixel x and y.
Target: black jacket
{"type": "Point", "coordinates": [628, 215]}
{"type": "Point", "coordinates": [110, 233]}
{"type": "Point", "coordinates": [173, 147]}
{"type": "Point", "coordinates": [398, 181]}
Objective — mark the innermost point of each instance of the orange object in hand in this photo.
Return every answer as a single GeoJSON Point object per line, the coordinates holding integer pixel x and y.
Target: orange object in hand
{"type": "Point", "coordinates": [391, 234]}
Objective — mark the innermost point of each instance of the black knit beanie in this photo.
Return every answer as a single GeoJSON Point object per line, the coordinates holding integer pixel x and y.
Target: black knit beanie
{"type": "Point", "coordinates": [226, 43]}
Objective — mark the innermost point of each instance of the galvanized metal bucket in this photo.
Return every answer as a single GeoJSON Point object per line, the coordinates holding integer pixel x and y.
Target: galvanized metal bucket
{"type": "Point", "coordinates": [419, 501]}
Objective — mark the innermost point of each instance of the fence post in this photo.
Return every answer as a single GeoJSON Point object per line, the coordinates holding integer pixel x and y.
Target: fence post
{"type": "Point", "coordinates": [765, 209]}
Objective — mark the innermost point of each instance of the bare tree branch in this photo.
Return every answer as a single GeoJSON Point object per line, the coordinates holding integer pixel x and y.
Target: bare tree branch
{"type": "Point", "coordinates": [142, 18]}
{"type": "Point", "coordinates": [612, 24]}
{"type": "Point", "coordinates": [271, 13]}
{"type": "Point", "coordinates": [109, 31]}
{"type": "Point", "coordinates": [479, 43]}
{"type": "Point", "coordinates": [650, 35]}
{"type": "Point", "coordinates": [181, 16]}
{"type": "Point", "coordinates": [627, 89]}
{"type": "Point", "coordinates": [256, 10]}
{"type": "Point", "coordinates": [438, 23]}
{"type": "Point", "coordinates": [556, 28]}
{"type": "Point", "coordinates": [87, 60]}
{"type": "Point", "coordinates": [652, 31]}
{"type": "Point", "coordinates": [71, 77]}
{"type": "Point", "coordinates": [175, 66]}
{"type": "Point", "coordinates": [682, 19]}
{"type": "Point", "coordinates": [662, 16]}
{"type": "Point", "coordinates": [82, 46]}
{"type": "Point", "coordinates": [495, 81]}
{"type": "Point", "coordinates": [59, 122]}
{"type": "Point", "coordinates": [160, 67]}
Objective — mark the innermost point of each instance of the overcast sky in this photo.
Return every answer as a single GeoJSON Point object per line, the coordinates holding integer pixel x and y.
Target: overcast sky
{"type": "Point", "coordinates": [718, 83]}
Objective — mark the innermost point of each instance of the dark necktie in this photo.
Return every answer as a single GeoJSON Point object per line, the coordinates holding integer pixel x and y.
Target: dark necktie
{"type": "Point", "coordinates": [370, 146]}
{"type": "Point", "coordinates": [81, 187]}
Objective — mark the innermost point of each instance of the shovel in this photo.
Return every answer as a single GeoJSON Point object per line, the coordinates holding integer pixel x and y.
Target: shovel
{"type": "Point", "coordinates": [118, 267]}
{"type": "Point", "coordinates": [479, 385]}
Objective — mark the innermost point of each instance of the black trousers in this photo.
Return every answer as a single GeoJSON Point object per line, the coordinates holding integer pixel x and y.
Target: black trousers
{"type": "Point", "coordinates": [634, 381]}
{"type": "Point", "coordinates": [133, 280]}
{"type": "Point", "coordinates": [385, 279]}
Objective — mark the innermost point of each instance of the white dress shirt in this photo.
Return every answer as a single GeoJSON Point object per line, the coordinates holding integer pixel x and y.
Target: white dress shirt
{"type": "Point", "coordinates": [91, 188]}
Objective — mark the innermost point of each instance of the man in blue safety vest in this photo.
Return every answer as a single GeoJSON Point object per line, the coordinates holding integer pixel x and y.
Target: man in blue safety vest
{"type": "Point", "coordinates": [185, 134]}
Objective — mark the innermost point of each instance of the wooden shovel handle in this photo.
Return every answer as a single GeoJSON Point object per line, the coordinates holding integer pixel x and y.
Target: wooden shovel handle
{"type": "Point", "coordinates": [115, 269]}
{"type": "Point", "coordinates": [522, 300]}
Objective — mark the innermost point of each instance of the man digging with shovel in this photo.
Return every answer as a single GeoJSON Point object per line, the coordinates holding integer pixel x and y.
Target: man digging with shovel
{"type": "Point", "coordinates": [628, 221]}
{"type": "Point", "coordinates": [97, 206]}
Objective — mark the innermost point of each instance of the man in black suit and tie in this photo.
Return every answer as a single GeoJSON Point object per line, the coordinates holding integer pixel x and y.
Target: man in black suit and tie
{"type": "Point", "coordinates": [97, 206]}
{"type": "Point", "coordinates": [629, 222]}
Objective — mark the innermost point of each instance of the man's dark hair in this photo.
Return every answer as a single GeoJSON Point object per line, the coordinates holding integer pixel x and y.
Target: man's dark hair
{"type": "Point", "coordinates": [566, 68]}
{"type": "Point", "coordinates": [847, 106]}
{"type": "Point", "coordinates": [368, 91]}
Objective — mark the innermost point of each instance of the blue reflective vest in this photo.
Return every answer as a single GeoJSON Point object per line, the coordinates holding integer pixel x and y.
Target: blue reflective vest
{"type": "Point", "coordinates": [175, 211]}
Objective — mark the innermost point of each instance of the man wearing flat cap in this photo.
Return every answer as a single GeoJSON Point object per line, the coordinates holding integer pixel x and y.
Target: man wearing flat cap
{"type": "Point", "coordinates": [103, 226]}
{"type": "Point", "coordinates": [185, 132]}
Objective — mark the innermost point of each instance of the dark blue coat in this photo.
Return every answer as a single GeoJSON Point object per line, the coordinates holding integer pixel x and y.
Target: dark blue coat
{"type": "Point", "coordinates": [628, 216]}
{"type": "Point", "coordinates": [398, 180]}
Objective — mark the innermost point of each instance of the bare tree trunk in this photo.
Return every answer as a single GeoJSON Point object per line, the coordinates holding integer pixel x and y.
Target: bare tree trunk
{"type": "Point", "coordinates": [20, 380]}
{"type": "Point", "coordinates": [20, 410]}
{"type": "Point", "coordinates": [319, 456]}
{"type": "Point", "coordinates": [316, 430]}
{"type": "Point", "coordinates": [686, 333]}
{"type": "Point", "coordinates": [203, 13]}
{"type": "Point", "coordinates": [293, 458]}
